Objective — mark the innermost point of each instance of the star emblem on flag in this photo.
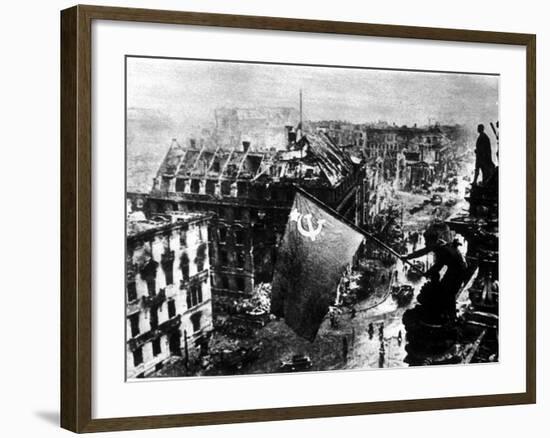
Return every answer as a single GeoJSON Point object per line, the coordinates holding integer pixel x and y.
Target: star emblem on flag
{"type": "Point", "coordinates": [294, 215]}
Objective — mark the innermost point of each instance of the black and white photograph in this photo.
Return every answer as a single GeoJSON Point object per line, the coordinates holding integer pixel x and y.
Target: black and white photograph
{"type": "Point", "coordinates": [288, 218]}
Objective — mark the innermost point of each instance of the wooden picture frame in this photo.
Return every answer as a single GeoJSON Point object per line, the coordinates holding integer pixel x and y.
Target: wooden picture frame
{"type": "Point", "coordinates": [76, 218]}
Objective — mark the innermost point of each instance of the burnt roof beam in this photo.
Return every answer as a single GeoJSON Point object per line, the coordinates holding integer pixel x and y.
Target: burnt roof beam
{"type": "Point", "coordinates": [225, 164]}
{"type": "Point", "coordinates": [213, 160]}
{"type": "Point", "coordinates": [241, 164]}
{"type": "Point", "coordinates": [195, 164]}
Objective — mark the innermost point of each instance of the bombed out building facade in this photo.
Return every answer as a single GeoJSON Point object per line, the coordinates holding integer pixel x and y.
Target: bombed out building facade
{"type": "Point", "coordinates": [168, 292]}
{"type": "Point", "coordinates": [415, 154]}
{"type": "Point", "coordinates": [264, 127]}
{"type": "Point", "coordinates": [248, 194]}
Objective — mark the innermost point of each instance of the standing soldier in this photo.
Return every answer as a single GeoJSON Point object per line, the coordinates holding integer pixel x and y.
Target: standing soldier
{"type": "Point", "coordinates": [484, 156]}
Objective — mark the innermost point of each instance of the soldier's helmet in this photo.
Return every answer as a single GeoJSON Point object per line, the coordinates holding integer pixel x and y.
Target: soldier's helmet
{"type": "Point", "coordinates": [438, 233]}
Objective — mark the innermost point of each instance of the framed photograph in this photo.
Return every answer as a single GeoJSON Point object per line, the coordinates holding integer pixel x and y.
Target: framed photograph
{"type": "Point", "coordinates": [270, 218]}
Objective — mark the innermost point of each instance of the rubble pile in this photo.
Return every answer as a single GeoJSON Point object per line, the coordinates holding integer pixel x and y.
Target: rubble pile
{"type": "Point", "coordinates": [260, 301]}
{"type": "Point", "coordinates": [228, 355]}
{"type": "Point", "coordinates": [233, 345]}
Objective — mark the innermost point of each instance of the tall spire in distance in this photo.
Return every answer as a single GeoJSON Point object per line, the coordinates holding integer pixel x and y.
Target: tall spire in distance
{"type": "Point", "coordinates": [300, 108]}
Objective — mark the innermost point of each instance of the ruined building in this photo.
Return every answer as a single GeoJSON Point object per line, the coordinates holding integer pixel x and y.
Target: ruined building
{"type": "Point", "coordinates": [428, 142]}
{"type": "Point", "coordinates": [410, 155]}
{"type": "Point", "coordinates": [343, 134]}
{"type": "Point", "coordinates": [263, 128]}
{"type": "Point", "coordinates": [168, 302]}
{"type": "Point", "coordinates": [249, 194]}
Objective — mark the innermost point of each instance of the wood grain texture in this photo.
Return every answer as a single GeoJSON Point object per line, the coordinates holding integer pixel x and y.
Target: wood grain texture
{"type": "Point", "coordinates": [76, 222]}
{"type": "Point", "coordinates": [531, 220]}
{"type": "Point", "coordinates": [68, 347]}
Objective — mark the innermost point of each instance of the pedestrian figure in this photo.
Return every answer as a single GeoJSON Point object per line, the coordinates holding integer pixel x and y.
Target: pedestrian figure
{"type": "Point", "coordinates": [399, 338]}
{"type": "Point", "coordinates": [345, 348]}
{"type": "Point", "coordinates": [484, 156]}
{"type": "Point", "coordinates": [381, 331]}
{"type": "Point", "coordinates": [371, 330]}
{"type": "Point", "coordinates": [353, 312]}
{"type": "Point", "coordinates": [381, 356]}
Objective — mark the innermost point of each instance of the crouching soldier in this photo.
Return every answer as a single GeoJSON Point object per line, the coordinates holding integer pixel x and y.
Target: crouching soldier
{"type": "Point", "coordinates": [445, 255]}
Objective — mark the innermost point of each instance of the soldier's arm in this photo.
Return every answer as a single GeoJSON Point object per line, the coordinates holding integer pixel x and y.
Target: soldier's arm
{"type": "Point", "coordinates": [416, 254]}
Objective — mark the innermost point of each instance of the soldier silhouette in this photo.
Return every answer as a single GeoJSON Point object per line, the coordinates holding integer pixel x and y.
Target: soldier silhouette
{"type": "Point", "coordinates": [448, 255]}
{"type": "Point", "coordinates": [484, 156]}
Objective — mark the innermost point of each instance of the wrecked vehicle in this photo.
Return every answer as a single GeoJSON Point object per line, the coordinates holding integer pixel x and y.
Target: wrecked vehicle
{"type": "Point", "coordinates": [298, 362]}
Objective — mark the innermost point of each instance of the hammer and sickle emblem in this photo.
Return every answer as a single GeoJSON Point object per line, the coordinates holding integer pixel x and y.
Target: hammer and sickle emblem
{"type": "Point", "coordinates": [311, 231]}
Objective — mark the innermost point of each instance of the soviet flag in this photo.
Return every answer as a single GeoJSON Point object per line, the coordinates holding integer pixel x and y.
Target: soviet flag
{"type": "Point", "coordinates": [315, 250]}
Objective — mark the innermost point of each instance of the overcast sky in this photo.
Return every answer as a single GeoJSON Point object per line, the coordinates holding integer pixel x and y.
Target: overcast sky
{"type": "Point", "coordinates": [187, 92]}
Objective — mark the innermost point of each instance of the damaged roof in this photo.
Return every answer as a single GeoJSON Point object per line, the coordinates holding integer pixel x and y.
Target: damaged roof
{"type": "Point", "coordinates": [334, 163]}
{"type": "Point", "coordinates": [314, 150]}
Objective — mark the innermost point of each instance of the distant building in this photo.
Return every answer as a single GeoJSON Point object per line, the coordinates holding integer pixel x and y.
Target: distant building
{"type": "Point", "coordinates": [263, 128]}
{"type": "Point", "coordinates": [384, 140]}
{"type": "Point", "coordinates": [343, 134]}
{"type": "Point", "coordinates": [388, 141]}
{"type": "Point", "coordinates": [249, 193]}
{"type": "Point", "coordinates": [168, 302]}
{"type": "Point", "coordinates": [413, 156]}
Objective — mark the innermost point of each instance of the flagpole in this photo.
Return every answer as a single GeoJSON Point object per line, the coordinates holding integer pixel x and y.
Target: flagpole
{"type": "Point", "coordinates": [355, 227]}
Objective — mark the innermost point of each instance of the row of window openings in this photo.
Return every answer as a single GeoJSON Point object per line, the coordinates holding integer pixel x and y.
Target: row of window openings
{"type": "Point", "coordinates": [240, 259]}
{"type": "Point", "coordinates": [209, 187]}
{"type": "Point", "coordinates": [183, 241]}
{"type": "Point", "coordinates": [239, 236]}
{"type": "Point", "coordinates": [168, 268]}
{"type": "Point", "coordinates": [138, 352]}
{"type": "Point", "coordinates": [224, 283]}
{"type": "Point", "coordinates": [258, 192]}
{"type": "Point", "coordinates": [228, 213]}
{"type": "Point", "coordinates": [237, 214]}
{"type": "Point", "coordinates": [183, 236]}
{"type": "Point", "coordinates": [194, 298]}
{"type": "Point", "coordinates": [156, 344]}
{"type": "Point", "coordinates": [383, 145]}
